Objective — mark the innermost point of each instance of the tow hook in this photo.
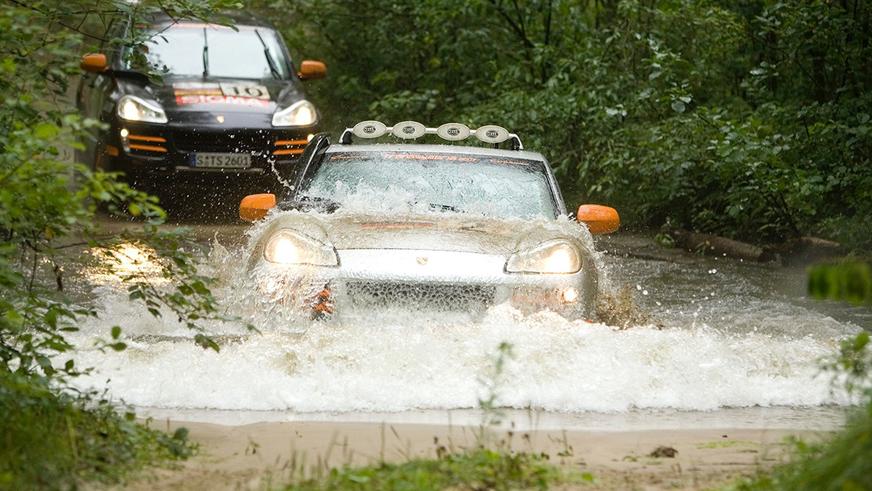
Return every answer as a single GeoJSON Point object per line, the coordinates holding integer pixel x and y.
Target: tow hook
{"type": "Point", "coordinates": [323, 305]}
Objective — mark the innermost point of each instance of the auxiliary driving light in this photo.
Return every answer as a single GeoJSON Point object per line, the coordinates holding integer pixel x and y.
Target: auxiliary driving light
{"type": "Point", "coordinates": [570, 295]}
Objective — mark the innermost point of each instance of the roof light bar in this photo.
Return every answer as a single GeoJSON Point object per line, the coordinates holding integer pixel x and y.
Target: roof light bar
{"type": "Point", "coordinates": [368, 129]}
{"type": "Point", "coordinates": [492, 134]}
{"type": "Point", "coordinates": [411, 130]}
{"type": "Point", "coordinates": [453, 132]}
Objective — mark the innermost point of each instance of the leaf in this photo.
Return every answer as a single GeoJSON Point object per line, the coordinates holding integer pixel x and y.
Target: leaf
{"type": "Point", "coordinates": [46, 131]}
{"type": "Point", "coordinates": [116, 332]}
{"type": "Point", "coordinates": [51, 318]}
{"type": "Point", "coordinates": [358, 478]}
{"type": "Point", "coordinates": [206, 342]}
{"type": "Point", "coordinates": [200, 288]}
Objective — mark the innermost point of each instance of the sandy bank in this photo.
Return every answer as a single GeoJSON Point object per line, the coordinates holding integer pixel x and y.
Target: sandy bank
{"type": "Point", "coordinates": [257, 456]}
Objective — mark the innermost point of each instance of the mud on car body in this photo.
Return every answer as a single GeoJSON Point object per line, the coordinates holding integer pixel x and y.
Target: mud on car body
{"type": "Point", "coordinates": [424, 226]}
{"type": "Point", "coordinates": [228, 103]}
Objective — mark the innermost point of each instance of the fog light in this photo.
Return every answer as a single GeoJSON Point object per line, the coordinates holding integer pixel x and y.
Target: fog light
{"type": "Point", "coordinates": [125, 142]}
{"type": "Point", "coordinates": [309, 138]}
{"type": "Point", "coordinates": [570, 295]}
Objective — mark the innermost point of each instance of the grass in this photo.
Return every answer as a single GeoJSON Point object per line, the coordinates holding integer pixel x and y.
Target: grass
{"type": "Point", "coordinates": [475, 469]}
{"type": "Point", "coordinates": [50, 440]}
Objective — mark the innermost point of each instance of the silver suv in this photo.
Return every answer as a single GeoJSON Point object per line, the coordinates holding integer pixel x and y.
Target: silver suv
{"type": "Point", "coordinates": [424, 227]}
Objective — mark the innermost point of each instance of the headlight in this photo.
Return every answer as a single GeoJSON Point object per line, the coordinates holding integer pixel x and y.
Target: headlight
{"type": "Point", "coordinates": [301, 113]}
{"type": "Point", "coordinates": [133, 108]}
{"type": "Point", "coordinates": [555, 256]}
{"type": "Point", "coordinates": [290, 247]}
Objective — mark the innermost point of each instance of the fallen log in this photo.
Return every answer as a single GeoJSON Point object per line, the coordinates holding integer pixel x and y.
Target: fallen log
{"type": "Point", "coordinates": [806, 250]}
{"type": "Point", "coordinates": [719, 246]}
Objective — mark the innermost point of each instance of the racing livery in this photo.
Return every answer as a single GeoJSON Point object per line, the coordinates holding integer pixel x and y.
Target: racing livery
{"type": "Point", "coordinates": [228, 103]}
{"type": "Point", "coordinates": [424, 226]}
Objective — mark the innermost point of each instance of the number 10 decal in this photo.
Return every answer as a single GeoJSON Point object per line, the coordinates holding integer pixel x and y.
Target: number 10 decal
{"type": "Point", "coordinates": [245, 90]}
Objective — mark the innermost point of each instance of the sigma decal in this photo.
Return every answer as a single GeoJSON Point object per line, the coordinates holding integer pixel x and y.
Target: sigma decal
{"type": "Point", "coordinates": [248, 95]}
{"type": "Point", "coordinates": [194, 88]}
{"type": "Point", "coordinates": [221, 99]}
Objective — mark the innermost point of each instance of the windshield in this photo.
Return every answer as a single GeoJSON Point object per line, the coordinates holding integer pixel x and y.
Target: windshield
{"type": "Point", "coordinates": [490, 186]}
{"type": "Point", "coordinates": [190, 49]}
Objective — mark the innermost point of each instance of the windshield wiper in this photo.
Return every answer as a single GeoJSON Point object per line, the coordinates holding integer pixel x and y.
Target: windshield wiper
{"type": "Point", "coordinates": [441, 207]}
{"type": "Point", "coordinates": [269, 59]}
{"type": "Point", "coordinates": [317, 203]}
{"type": "Point", "coordinates": [205, 54]}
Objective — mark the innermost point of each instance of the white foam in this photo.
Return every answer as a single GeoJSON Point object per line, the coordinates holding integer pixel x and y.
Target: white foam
{"type": "Point", "coordinates": [403, 362]}
{"type": "Point", "coordinates": [558, 365]}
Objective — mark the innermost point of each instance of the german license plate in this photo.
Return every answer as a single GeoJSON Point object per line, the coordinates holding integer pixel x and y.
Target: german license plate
{"type": "Point", "coordinates": [223, 160]}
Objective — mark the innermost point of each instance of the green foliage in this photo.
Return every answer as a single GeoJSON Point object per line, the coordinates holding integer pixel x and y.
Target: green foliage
{"type": "Point", "coordinates": [46, 202]}
{"type": "Point", "coordinates": [845, 280]}
{"type": "Point", "coordinates": [749, 119]}
{"type": "Point", "coordinates": [845, 461]}
{"type": "Point", "coordinates": [854, 362]}
{"type": "Point", "coordinates": [51, 441]}
{"type": "Point", "coordinates": [476, 469]}
{"type": "Point", "coordinates": [48, 207]}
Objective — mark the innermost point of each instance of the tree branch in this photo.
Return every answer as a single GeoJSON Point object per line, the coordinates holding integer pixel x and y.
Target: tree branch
{"type": "Point", "coordinates": [60, 23]}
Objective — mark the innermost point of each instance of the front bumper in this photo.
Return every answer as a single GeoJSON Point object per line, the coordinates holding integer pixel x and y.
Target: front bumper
{"type": "Point", "coordinates": [417, 280]}
{"type": "Point", "coordinates": [144, 150]}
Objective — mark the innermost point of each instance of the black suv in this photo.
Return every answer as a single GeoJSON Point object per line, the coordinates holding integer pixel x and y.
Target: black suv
{"type": "Point", "coordinates": [227, 106]}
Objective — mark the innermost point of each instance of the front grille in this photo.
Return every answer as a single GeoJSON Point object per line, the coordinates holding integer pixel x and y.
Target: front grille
{"type": "Point", "coordinates": [147, 145]}
{"type": "Point", "coordinates": [236, 141]}
{"type": "Point", "coordinates": [423, 296]}
{"type": "Point", "coordinates": [264, 144]}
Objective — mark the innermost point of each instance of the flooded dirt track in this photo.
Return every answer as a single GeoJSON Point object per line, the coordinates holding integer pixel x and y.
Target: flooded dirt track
{"type": "Point", "coordinates": [726, 344]}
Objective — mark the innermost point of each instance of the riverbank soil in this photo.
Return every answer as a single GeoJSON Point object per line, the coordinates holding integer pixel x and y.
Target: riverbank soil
{"type": "Point", "coordinates": [265, 455]}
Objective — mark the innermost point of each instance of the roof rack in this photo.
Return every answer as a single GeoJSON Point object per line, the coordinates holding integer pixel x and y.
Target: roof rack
{"type": "Point", "coordinates": [411, 130]}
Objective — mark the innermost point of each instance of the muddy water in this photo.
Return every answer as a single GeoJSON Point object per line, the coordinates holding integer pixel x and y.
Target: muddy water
{"type": "Point", "coordinates": [726, 344]}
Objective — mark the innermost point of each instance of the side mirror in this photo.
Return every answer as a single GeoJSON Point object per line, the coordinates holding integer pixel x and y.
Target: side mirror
{"type": "Point", "coordinates": [94, 63]}
{"type": "Point", "coordinates": [599, 219]}
{"type": "Point", "coordinates": [255, 206]}
{"type": "Point", "coordinates": [312, 70]}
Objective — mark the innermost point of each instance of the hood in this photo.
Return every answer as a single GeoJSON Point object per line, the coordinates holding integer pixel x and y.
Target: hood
{"type": "Point", "coordinates": [429, 232]}
{"type": "Point", "coordinates": [244, 103]}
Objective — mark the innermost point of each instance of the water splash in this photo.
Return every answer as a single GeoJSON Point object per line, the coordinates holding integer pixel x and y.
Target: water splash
{"type": "Point", "coordinates": [737, 348]}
